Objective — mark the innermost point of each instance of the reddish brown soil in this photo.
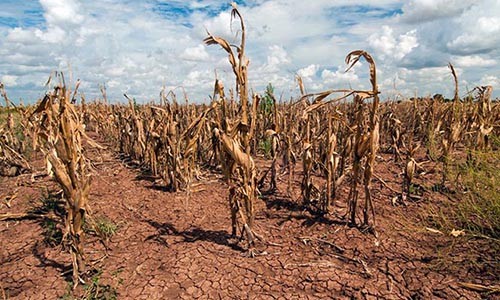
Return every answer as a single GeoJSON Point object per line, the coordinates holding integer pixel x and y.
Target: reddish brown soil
{"type": "Point", "coordinates": [177, 245]}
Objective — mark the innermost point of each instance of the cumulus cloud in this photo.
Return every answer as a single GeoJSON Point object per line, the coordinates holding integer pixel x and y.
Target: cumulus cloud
{"type": "Point", "coordinates": [339, 77]}
{"type": "Point", "coordinates": [492, 80]}
{"type": "Point", "coordinates": [481, 34]}
{"type": "Point", "coordinates": [465, 33]}
{"type": "Point", "coordinates": [309, 71]}
{"type": "Point", "coordinates": [418, 11]}
{"type": "Point", "coordinates": [473, 61]}
{"type": "Point", "coordinates": [61, 11]}
{"type": "Point", "coordinates": [197, 79]}
{"type": "Point", "coordinates": [393, 47]}
{"type": "Point", "coordinates": [220, 26]}
{"type": "Point", "coordinates": [197, 53]}
{"type": "Point", "coordinates": [436, 79]}
{"type": "Point", "coordinates": [277, 58]}
{"type": "Point", "coordinates": [9, 80]}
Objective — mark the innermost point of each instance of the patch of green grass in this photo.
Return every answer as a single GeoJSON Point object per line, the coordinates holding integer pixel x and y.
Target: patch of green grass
{"type": "Point", "coordinates": [92, 290]}
{"type": "Point", "coordinates": [416, 189]}
{"type": "Point", "coordinates": [477, 205]}
{"type": "Point", "coordinates": [479, 211]}
{"type": "Point", "coordinates": [102, 227]}
{"type": "Point", "coordinates": [4, 113]}
{"type": "Point", "coordinates": [495, 141]}
{"type": "Point", "coordinates": [115, 274]}
{"type": "Point", "coordinates": [97, 291]}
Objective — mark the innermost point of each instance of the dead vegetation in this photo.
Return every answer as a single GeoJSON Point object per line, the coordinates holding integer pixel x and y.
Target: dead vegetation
{"type": "Point", "coordinates": [59, 134]}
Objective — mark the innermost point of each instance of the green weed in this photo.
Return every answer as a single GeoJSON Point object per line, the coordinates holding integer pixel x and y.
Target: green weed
{"type": "Point", "coordinates": [92, 290]}
{"type": "Point", "coordinates": [102, 227]}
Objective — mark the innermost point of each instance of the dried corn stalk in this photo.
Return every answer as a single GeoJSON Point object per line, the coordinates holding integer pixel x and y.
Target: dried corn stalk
{"type": "Point", "coordinates": [452, 132]}
{"type": "Point", "coordinates": [485, 117]}
{"type": "Point", "coordinates": [366, 142]}
{"type": "Point", "coordinates": [59, 134]}
{"type": "Point", "coordinates": [242, 196]}
{"type": "Point", "coordinates": [12, 149]}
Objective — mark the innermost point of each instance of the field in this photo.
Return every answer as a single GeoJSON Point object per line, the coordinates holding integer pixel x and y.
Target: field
{"type": "Point", "coordinates": [334, 194]}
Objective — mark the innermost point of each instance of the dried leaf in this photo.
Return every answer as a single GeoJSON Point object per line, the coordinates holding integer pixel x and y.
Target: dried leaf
{"type": "Point", "coordinates": [433, 230]}
{"type": "Point", "coordinates": [457, 233]}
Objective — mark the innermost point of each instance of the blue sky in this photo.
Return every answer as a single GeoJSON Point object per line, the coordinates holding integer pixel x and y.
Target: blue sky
{"type": "Point", "coordinates": [139, 47]}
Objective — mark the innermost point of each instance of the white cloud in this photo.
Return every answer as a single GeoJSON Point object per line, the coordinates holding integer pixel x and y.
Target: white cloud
{"type": "Point", "coordinates": [53, 35]}
{"type": "Point", "coordinates": [393, 84]}
{"type": "Point", "coordinates": [197, 81]}
{"type": "Point", "coordinates": [61, 11]}
{"type": "Point", "coordinates": [18, 35]}
{"type": "Point", "coordinates": [197, 53]}
{"type": "Point", "coordinates": [428, 10]}
{"type": "Point", "coordinates": [436, 79]}
{"type": "Point", "coordinates": [479, 35]}
{"type": "Point", "coordinates": [391, 47]}
{"type": "Point", "coordinates": [309, 71]}
{"type": "Point", "coordinates": [9, 80]}
{"type": "Point", "coordinates": [473, 61]}
{"type": "Point", "coordinates": [277, 57]}
{"type": "Point", "coordinates": [339, 77]}
{"type": "Point", "coordinates": [492, 80]}
{"type": "Point", "coordinates": [221, 26]}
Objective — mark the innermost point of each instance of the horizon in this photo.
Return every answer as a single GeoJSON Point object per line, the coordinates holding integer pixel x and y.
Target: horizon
{"type": "Point", "coordinates": [139, 47]}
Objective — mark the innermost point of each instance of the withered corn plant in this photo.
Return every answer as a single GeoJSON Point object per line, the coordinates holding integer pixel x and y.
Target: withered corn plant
{"type": "Point", "coordinates": [453, 119]}
{"type": "Point", "coordinates": [321, 125]}
{"type": "Point", "coordinates": [12, 146]}
{"type": "Point", "coordinates": [59, 133]}
{"type": "Point", "coordinates": [485, 119]}
{"type": "Point", "coordinates": [366, 141]}
{"type": "Point", "coordinates": [169, 142]}
{"type": "Point", "coordinates": [393, 126]}
{"type": "Point", "coordinates": [410, 168]}
{"type": "Point", "coordinates": [235, 139]}
{"type": "Point", "coordinates": [331, 161]}
{"type": "Point", "coordinates": [289, 139]}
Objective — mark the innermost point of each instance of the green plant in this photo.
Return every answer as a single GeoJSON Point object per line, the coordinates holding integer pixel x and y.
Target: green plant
{"type": "Point", "coordinates": [102, 227]}
{"type": "Point", "coordinates": [97, 291]}
{"type": "Point", "coordinates": [477, 209]}
{"type": "Point", "coordinates": [265, 145]}
{"type": "Point", "coordinates": [52, 234]}
{"type": "Point", "coordinates": [266, 103]}
{"type": "Point", "coordinates": [495, 141]}
{"type": "Point", "coordinates": [92, 290]}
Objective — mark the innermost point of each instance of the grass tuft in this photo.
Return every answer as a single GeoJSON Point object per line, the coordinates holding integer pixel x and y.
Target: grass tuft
{"type": "Point", "coordinates": [102, 227]}
{"type": "Point", "coordinates": [477, 207]}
